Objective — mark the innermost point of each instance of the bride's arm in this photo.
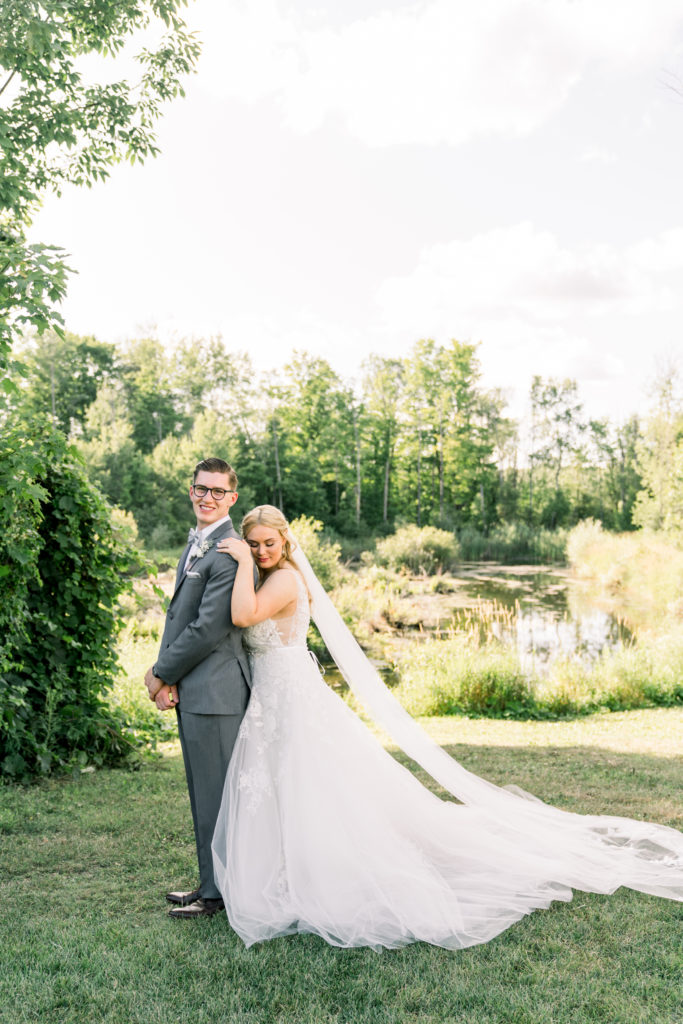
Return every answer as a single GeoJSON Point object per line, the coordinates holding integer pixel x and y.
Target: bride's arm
{"type": "Point", "coordinates": [249, 606]}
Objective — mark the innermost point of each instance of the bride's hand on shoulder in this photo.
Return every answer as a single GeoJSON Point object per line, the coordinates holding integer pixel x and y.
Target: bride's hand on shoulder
{"type": "Point", "coordinates": [237, 549]}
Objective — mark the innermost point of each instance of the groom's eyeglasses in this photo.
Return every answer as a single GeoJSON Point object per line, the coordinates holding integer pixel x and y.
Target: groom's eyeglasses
{"type": "Point", "coordinates": [217, 493]}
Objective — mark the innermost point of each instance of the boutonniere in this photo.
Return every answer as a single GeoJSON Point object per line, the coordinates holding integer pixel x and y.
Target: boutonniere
{"type": "Point", "coordinates": [203, 548]}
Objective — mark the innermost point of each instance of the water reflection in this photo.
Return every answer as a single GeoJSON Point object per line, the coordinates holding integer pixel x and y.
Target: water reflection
{"type": "Point", "coordinates": [544, 613]}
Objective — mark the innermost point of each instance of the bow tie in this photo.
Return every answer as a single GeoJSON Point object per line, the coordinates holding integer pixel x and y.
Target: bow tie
{"type": "Point", "coordinates": [193, 536]}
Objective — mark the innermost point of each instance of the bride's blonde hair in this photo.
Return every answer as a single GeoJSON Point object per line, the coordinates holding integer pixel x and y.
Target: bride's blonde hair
{"type": "Point", "coordinates": [269, 515]}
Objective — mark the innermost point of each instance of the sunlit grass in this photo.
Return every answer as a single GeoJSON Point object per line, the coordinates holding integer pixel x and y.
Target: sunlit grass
{"type": "Point", "coordinates": [85, 862]}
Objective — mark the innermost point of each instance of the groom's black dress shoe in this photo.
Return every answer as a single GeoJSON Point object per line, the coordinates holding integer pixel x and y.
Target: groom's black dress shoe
{"type": "Point", "coordinates": [183, 898]}
{"type": "Point", "coordinates": [200, 908]}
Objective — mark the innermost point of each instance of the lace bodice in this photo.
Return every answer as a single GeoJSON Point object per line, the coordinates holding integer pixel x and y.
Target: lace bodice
{"type": "Point", "coordinates": [288, 632]}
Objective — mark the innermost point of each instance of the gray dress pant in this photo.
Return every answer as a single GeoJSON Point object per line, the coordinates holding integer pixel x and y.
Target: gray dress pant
{"type": "Point", "coordinates": [207, 742]}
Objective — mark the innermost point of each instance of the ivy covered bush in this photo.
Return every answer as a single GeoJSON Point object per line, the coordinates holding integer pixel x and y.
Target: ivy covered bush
{"type": "Point", "coordinates": [62, 568]}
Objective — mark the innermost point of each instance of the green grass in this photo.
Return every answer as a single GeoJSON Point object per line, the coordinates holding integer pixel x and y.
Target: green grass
{"type": "Point", "coordinates": [84, 863]}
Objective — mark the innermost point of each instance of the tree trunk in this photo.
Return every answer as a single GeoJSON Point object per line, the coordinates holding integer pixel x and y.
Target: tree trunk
{"type": "Point", "coordinates": [336, 482]}
{"type": "Point", "coordinates": [441, 469]}
{"type": "Point", "coordinates": [419, 479]}
{"type": "Point", "coordinates": [356, 435]}
{"type": "Point", "coordinates": [278, 478]}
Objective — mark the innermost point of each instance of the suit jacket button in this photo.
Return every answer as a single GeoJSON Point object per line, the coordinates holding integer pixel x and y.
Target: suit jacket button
{"type": "Point", "coordinates": [170, 615]}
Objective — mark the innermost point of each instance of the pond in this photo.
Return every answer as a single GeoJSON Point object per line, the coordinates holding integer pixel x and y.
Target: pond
{"type": "Point", "coordinates": [544, 612]}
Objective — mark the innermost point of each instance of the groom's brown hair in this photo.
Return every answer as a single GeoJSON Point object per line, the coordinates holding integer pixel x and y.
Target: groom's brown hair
{"type": "Point", "coordinates": [216, 466]}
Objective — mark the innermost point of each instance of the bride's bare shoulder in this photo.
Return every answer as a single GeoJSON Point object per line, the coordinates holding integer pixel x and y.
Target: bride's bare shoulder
{"type": "Point", "coordinates": [296, 578]}
{"type": "Point", "coordinates": [284, 579]}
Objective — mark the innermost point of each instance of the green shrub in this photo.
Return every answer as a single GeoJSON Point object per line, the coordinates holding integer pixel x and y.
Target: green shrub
{"type": "Point", "coordinates": [62, 568]}
{"type": "Point", "coordinates": [417, 549]}
{"type": "Point", "coordinates": [321, 553]}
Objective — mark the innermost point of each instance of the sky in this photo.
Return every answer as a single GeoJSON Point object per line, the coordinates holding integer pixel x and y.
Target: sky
{"type": "Point", "coordinates": [346, 178]}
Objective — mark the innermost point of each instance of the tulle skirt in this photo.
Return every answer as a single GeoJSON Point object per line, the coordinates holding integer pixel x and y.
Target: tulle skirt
{"type": "Point", "coordinates": [322, 831]}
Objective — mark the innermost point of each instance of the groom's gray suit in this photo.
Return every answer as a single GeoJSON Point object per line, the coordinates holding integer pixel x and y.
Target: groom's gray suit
{"type": "Point", "coordinates": [201, 652]}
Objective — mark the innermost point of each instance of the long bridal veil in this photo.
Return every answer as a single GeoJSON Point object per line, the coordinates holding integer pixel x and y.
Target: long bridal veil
{"type": "Point", "coordinates": [595, 853]}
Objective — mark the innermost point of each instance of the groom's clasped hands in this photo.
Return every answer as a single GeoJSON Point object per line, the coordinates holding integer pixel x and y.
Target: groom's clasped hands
{"type": "Point", "coordinates": [164, 696]}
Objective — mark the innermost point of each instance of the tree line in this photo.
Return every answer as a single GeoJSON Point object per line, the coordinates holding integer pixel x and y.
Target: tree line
{"type": "Point", "coordinates": [413, 440]}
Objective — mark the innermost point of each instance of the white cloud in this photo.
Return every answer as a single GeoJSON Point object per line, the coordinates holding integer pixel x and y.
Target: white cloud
{"type": "Point", "coordinates": [597, 155]}
{"type": "Point", "coordinates": [526, 274]}
{"type": "Point", "coordinates": [434, 72]}
{"type": "Point", "coordinates": [591, 313]}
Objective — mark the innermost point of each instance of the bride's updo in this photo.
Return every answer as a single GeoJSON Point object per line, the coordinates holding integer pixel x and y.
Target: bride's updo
{"type": "Point", "coordinates": [269, 515]}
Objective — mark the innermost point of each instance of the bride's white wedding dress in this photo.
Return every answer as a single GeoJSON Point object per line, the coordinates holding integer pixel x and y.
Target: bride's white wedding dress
{"type": "Point", "coordinates": [322, 831]}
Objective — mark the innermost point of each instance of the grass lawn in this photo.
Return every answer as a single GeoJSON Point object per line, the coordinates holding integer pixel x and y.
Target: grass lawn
{"type": "Point", "coordinates": [85, 937]}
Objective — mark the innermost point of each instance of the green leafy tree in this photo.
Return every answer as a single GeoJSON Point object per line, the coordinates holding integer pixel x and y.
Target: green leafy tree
{"type": "Point", "coordinates": [114, 462]}
{"type": "Point", "coordinates": [61, 376]}
{"type": "Point", "coordinates": [152, 405]}
{"type": "Point", "coordinates": [557, 433]}
{"type": "Point", "coordinates": [203, 374]}
{"type": "Point", "coordinates": [469, 422]}
{"type": "Point", "coordinates": [382, 388]}
{"type": "Point", "coordinates": [659, 505]}
{"type": "Point", "coordinates": [418, 446]}
{"type": "Point", "coordinates": [313, 436]}
{"type": "Point", "coordinates": [58, 128]}
{"type": "Point", "coordinates": [625, 478]}
{"type": "Point", "coordinates": [449, 434]}
{"type": "Point", "coordinates": [604, 480]}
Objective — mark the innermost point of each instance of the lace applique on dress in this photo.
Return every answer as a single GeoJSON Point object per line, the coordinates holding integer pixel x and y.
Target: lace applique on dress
{"type": "Point", "coordinates": [273, 686]}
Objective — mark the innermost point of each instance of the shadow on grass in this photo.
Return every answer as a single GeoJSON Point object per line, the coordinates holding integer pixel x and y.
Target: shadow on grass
{"type": "Point", "coordinates": [85, 862]}
{"type": "Point", "coordinates": [583, 779]}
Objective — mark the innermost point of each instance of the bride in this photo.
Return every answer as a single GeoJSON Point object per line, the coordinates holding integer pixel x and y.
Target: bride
{"type": "Point", "coordinates": [320, 830]}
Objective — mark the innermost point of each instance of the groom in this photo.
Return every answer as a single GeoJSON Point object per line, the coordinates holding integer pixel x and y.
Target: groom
{"type": "Point", "coordinates": [202, 669]}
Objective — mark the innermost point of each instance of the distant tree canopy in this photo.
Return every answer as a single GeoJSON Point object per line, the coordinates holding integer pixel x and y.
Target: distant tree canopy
{"type": "Point", "coordinates": [413, 440]}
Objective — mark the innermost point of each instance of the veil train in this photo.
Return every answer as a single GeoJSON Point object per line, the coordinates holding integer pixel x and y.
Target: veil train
{"type": "Point", "coordinates": [595, 853]}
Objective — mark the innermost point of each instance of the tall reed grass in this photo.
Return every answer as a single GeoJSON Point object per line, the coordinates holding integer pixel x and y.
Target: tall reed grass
{"type": "Point", "coordinates": [513, 542]}
{"type": "Point", "coordinates": [470, 671]}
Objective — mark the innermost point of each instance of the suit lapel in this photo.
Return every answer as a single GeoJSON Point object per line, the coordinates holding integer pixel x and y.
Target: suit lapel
{"type": "Point", "coordinates": [213, 538]}
{"type": "Point", "coordinates": [179, 571]}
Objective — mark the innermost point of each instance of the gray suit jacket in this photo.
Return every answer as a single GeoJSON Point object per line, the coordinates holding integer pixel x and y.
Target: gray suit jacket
{"type": "Point", "coordinates": [201, 650]}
